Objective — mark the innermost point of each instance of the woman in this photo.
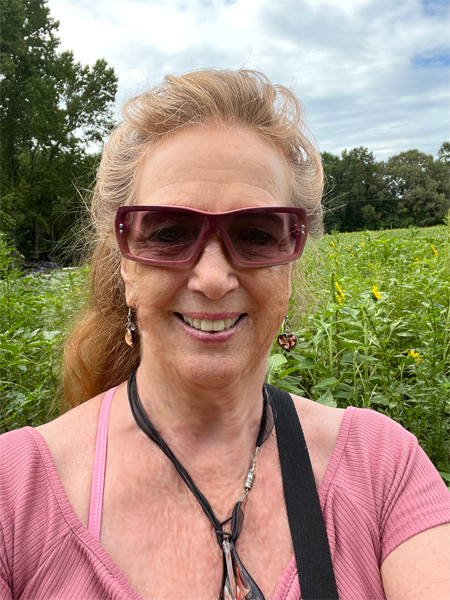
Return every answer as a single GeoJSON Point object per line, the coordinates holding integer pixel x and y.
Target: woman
{"type": "Point", "coordinates": [199, 296]}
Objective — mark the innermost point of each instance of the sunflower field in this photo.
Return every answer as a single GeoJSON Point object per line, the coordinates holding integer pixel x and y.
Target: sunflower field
{"type": "Point", "coordinates": [379, 335]}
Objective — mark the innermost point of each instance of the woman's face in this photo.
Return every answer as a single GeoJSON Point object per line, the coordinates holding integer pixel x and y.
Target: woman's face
{"type": "Point", "coordinates": [210, 169]}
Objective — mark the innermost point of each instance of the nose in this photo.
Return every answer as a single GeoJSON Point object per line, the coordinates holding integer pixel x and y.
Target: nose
{"type": "Point", "coordinates": [213, 273]}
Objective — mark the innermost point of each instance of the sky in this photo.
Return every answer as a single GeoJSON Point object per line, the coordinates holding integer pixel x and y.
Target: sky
{"type": "Point", "coordinates": [372, 73]}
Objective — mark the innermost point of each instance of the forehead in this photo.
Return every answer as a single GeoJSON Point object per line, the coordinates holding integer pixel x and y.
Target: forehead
{"type": "Point", "coordinates": [214, 168]}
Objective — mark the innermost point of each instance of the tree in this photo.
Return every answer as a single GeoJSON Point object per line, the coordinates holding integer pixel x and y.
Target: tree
{"type": "Point", "coordinates": [444, 153]}
{"type": "Point", "coordinates": [52, 110]}
{"type": "Point", "coordinates": [354, 190]}
{"type": "Point", "coordinates": [421, 187]}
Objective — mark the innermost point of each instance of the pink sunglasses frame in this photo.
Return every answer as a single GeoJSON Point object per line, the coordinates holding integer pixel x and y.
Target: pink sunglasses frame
{"type": "Point", "coordinates": [214, 227]}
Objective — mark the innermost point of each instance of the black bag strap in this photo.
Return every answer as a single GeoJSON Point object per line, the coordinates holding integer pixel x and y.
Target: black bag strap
{"type": "Point", "coordinates": [309, 537]}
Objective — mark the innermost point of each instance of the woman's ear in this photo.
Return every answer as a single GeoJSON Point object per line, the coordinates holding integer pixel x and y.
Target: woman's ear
{"type": "Point", "coordinates": [129, 287]}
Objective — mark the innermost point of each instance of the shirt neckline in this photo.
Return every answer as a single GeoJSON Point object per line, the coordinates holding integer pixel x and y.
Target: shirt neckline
{"type": "Point", "coordinates": [93, 545]}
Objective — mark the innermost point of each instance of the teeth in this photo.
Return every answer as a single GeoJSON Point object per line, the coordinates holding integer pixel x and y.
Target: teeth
{"type": "Point", "coordinates": [209, 325]}
{"type": "Point", "coordinates": [206, 325]}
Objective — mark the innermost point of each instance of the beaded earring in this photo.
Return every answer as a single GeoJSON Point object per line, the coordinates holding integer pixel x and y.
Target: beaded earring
{"type": "Point", "coordinates": [130, 329]}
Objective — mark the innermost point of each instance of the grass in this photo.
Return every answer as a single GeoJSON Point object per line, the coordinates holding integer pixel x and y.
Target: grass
{"type": "Point", "coordinates": [378, 337]}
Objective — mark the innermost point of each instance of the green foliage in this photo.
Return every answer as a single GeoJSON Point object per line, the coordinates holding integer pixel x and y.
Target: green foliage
{"type": "Point", "coordinates": [380, 337]}
{"type": "Point", "coordinates": [52, 110]}
{"type": "Point", "coordinates": [410, 188]}
{"type": "Point", "coordinates": [354, 185]}
{"type": "Point", "coordinates": [444, 153]}
{"type": "Point", "coordinates": [421, 186]}
{"type": "Point", "coordinates": [35, 311]}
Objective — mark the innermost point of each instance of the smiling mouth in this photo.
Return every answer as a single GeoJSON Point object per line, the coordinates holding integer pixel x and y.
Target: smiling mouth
{"type": "Point", "coordinates": [210, 325]}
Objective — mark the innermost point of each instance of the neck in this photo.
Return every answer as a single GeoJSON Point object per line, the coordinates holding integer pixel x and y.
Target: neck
{"type": "Point", "coordinates": [212, 432]}
{"type": "Point", "coordinates": [200, 416]}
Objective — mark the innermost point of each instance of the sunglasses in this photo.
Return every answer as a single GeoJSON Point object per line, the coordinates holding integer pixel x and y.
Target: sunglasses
{"type": "Point", "coordinates": [174, 236]}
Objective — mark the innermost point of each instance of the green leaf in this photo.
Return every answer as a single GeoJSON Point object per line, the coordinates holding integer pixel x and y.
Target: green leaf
{"type": "Point", "coordinates": [286, 372]}
{"type": "Point", "coordinates": [348, 343]}
{"type": "Point", "coordinates": [380, 400]}
{"type": "Point", "coordinates": [445, 475]}
{"type": "Point", "coordinates": [9, 348]}
{"type": "Point", "coordinates": [30, 334]}
{"type": "Point", "coordinates": [306, 363]}
{"type": "Point", "coordinates": [288, 385]}
{"type": "Point", "coordinates": [275, 361]}
{"type": "Point", "coordinates": [349, 311]}
{"type": "Point", "coordinates": [342, 394]}
{"type": "Point", "coordinates": [327, 399]}
{"type": "Point", "coordinates": [366, 358]}
{"type": "Point", "coordinates": [49, 335]}
{"type": "Point", "coordinates": [327, 382]}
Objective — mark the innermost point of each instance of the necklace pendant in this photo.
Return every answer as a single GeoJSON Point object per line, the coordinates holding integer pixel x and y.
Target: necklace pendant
{"type": "Point", "coordinates": [238, 584]}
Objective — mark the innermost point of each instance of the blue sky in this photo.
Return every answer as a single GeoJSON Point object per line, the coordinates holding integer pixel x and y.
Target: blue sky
{"type": "Point", "coordinates": [372, 73]}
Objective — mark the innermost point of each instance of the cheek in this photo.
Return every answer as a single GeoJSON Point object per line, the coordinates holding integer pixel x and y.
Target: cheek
{"type": "Point", "coordinates": [271, 291]}
{"type": "Point", "coordinates": [274, 288]}
{"type": "Point", "coordinates": [155, 287]}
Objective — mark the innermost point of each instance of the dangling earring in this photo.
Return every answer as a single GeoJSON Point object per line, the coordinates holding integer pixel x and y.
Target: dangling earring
{"type": "Point", "coordinates": [287, 340]}
{"type": "Point", "coordinates": [129, 329]}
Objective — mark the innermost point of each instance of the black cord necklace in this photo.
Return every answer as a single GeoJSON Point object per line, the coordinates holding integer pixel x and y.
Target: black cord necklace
{"type": "Point", "coordinates": [237, 583]}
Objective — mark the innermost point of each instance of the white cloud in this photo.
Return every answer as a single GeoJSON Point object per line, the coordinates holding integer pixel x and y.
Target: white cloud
{"type": "Point", "coordinates": [371, 72]}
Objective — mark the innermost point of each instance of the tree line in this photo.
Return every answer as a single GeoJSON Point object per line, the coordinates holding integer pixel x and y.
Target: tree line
{"type": "Point", "coordinates": [55, 114]}
{"type": "Point", "coordinates": [409, 188]}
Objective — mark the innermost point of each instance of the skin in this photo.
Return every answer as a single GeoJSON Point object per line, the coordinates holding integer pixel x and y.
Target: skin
{"type": "Point", "coordinates": [205, 398]}
{"type": "Point", "coordinates": [419, 569]}
{"type": "Point", "coordinates": [214, 170]}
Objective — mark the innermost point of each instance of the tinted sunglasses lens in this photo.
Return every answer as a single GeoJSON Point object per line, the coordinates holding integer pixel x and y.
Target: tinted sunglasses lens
{"type": "Point", "coordinates": [163, 236]}
{"type": "Point", "coordinates": [174, 236]}
{"type": "Point", "coordinates": [262, 237]}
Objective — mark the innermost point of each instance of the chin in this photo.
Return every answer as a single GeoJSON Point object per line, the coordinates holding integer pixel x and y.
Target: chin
{"type": "Point", "coordinates": [219, 372]}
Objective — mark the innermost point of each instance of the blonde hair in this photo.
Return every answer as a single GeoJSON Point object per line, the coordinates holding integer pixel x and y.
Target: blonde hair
{"type": "Point", "coordinates": [96, 356]}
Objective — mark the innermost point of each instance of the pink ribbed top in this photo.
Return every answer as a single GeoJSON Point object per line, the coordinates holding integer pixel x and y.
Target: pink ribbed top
{"type": "Point", "coordinates": [379, 490]}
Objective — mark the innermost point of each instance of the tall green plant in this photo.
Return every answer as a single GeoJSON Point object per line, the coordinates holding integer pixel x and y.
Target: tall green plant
{"type": "Point", "coordinates": [381, 336]}
{"type": "Point", "coordinates": [35, 311]}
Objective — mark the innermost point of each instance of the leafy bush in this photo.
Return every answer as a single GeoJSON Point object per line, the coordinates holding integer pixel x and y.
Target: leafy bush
{"type": "Point", "coordinates": [380, 337]}
{"type": "Point", "coordinates": [35, 311]}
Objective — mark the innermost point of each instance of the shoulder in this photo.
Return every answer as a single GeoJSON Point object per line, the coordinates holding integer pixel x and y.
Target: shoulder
{"type": "Point", "coordinates": [380, 467]}
{"type": "Point", "coordinates": [30, 494]}
{"type": "Point", "coordinates": [72, 431]}
{"type": "Point", "coordinates": [71, 441]}
{"type": "Point", "coordinates": [25, 468]}
{"type": "Point", "coordinates": [21, 455]}
{"type": "Point", "coordinates": [18, 448]}
{"type": "Point", "coordinates": [321, 425]}
{"type": "Point", "coordinates": [376, 445]}
{"type": "Point", "coordinates": [71, 438]}
{"type": "Point", "coordinates": [317, 419]}
{"type": "Point", "coordinates": [372, 448]}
